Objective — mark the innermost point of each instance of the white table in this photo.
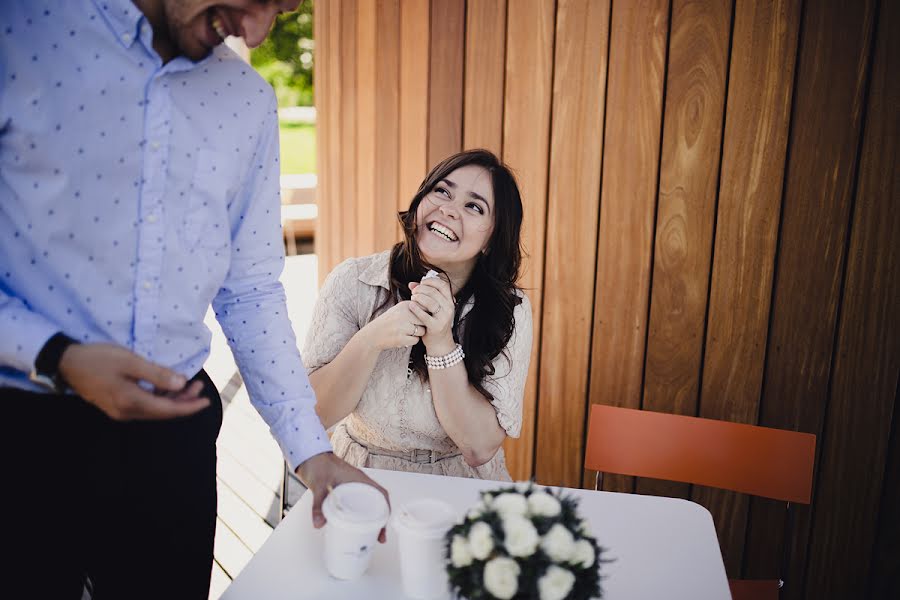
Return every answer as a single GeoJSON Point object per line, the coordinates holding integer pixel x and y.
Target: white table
{"type": "Point", "coordinates": [663, 547]}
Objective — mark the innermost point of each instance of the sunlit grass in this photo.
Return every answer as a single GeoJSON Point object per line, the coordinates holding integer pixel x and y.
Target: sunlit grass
{"type": "Point", "coordinates": [298, 148]}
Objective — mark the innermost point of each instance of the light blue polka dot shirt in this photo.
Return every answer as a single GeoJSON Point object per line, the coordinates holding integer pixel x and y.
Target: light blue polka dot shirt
{"type": "Point", "coordinates": [132, 195]}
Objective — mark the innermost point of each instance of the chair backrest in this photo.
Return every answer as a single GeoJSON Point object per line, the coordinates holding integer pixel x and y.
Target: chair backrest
{"type": "Point", "coordinates": [774, 463]}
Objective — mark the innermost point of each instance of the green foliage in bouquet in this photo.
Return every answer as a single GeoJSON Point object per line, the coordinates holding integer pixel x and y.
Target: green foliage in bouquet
{"type": "Point", "coordinates": [524, 541]}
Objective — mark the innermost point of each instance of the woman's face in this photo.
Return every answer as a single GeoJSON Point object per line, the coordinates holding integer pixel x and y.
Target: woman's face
{"type": "Point", "coordinates": [455, 220]}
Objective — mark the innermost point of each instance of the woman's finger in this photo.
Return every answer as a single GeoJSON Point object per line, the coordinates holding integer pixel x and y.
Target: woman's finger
{"type": "Point", "coordinates": [419, 311]}
{"type": "Point", "coordinates": [427, 302]}
{"type": "Point", "coordinates": [439, 285]}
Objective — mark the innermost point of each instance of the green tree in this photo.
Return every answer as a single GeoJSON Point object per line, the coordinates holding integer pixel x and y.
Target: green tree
{"type": "Point", "coordinates": [285, 59]}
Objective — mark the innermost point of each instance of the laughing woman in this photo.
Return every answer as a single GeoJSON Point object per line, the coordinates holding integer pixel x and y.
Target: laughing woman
{"type": "Point", "coordinates": [426, 373]}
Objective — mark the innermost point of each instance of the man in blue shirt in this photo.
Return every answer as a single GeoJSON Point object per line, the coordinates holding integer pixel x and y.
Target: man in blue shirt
{"type": "Point", "coordinates": [138, 184]}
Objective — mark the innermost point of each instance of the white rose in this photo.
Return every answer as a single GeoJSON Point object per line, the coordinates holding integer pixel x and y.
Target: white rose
{"type": "Point", "coordinates": [520, 536]}
{"type": "Point", "coordinates": [583, 527]}
{"type": "Point", "coordinates": [481, 540]}
{"type": "Point", "coordinates": [558, 543]}
{"type": "Point", "coordinates": [555, 583]}
{"type": "Point", "coordinates": [460, 554]}
{"type": "Point", "coordinates": [501, 577]}
{"type": "Point", "coordinates": [542, 504]}
{"type": "Point", "coordinates": [509, 504]}
{"type": "Point", "coordinates": [476, 511]}
{"type": "Point", "coordinates": [583, 555]}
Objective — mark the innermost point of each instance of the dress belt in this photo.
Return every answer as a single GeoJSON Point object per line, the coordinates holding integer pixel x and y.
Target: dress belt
{"type": "Point", "coordinates": [418, 455]}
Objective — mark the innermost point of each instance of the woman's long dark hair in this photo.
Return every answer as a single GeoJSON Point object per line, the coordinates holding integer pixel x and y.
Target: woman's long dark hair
{"type": "Point", "coordinates": [490, 323]}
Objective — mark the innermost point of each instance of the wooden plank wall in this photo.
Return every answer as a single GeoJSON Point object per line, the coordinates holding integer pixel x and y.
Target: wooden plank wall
{"type": "Point", "coordinates": [711, 195]}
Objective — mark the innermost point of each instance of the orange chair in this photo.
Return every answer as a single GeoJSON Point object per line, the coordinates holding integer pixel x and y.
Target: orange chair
{"type": "Point", "coordinates": [762, 461]}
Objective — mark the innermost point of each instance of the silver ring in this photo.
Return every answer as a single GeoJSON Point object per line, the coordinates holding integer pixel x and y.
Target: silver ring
{"type": "Point", "coordinates": [415, 331]}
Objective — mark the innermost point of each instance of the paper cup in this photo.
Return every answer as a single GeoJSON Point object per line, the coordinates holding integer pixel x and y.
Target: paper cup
{"type": "Point", "coordinates": [421, 526]}
{"type": "Point", "coordinates": [354, 513]}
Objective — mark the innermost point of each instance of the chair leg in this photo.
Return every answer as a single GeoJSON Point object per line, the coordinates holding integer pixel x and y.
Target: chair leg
{"type": "Point", "coordinates": [285, 475]}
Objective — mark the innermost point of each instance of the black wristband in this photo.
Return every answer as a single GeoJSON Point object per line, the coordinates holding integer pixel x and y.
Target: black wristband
{"type": "Point", "coordinates": [46, 365]}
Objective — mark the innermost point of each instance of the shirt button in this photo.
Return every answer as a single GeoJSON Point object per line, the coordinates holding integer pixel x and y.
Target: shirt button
{"type": "Point", "coordinates": [154, 145]}
{"type": "Point", "coordinates": [147, 285]}
{"type": "Point", "coordinates": [151, 218]}
{"type": "Point", "coordinates": [126, 38]}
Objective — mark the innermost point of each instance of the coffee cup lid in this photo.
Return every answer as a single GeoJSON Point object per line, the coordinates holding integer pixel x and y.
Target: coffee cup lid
{"type": "Point", "coordinates": [427, 517]}
{"type": "Point", "coordinates": [356, 505]}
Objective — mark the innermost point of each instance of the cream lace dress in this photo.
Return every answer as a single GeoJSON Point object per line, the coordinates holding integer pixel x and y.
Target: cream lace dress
{"type": "Point", "coordinates": [396, 413]}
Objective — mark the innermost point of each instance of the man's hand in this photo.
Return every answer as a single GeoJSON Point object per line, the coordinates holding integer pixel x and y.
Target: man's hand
{"type": "Point", "coordinates": [324, 472]}
{"type": "Point", "coordinates": [107, 376]}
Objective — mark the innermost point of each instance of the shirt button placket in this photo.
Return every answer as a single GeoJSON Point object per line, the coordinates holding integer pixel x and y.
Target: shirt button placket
{"type": "Point", "coordinates": [152, 218]}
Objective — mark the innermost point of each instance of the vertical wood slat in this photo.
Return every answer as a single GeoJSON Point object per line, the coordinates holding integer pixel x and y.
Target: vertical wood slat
{"type": "Point", "coordinates": [689, 167]}
{"type": "Point", "coordinates": [582, 28]}
{"type": "Point", "coordinates": [345, 229]}
{"type": "Point", "coordinates": [867, 357]}
{"type": "Point", "coordinates": [387, 124]}
{"type": "Point", "coordinates": [445, 93]}
{"type": "Point", "coordinates": [366, 61]}
{"type": "Point", "coordinates": [414, 57]}
{"type": "Point", "coordinates": [320, 84]}
{"type": "Point", "coordinates": [826, 122]}
{"type": "Point", "coordinates": [484, 70]}
{"type": "Point", "coordinates": [637, 54]}
{"type": "Point", "coordinates": [334, 126]}
{"type": "Point", "coordinates": [764, 49]}
{"type": "Point", "coordinates": [328, 233]}
{"type": "Point", "coordinates": [526, 147]}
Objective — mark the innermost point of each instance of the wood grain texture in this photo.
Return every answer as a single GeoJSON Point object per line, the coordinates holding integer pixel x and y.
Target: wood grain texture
{"type": "Point", "coordinates": [445, 92]}
{"type": "Point", "coordinates": [867, 357]}
{"type": "Point", "coordinates": [328, 233]}
{"type": "Point", "coordinates": [346, 120]}
{"type": "Point", "coordinates": [387, 124]}
{"type": "Point", "coordinates": [826, 123]}
{"type": "Point", "coordinates": [415, 45]}
{"type": "Point", "coordinates": [688, 181]}
{"type": "Point", "coordinates": [366, 115]}
{"type": "Point", "coordinates": [576, 148]}
{"type": "Point", "coordinates": [764, 49]}
{"type": "Point", "coordinates": [637, 55]}
{"type": "Point", "coordinates": [484, 75]}
{"type": "Point", "coordinates": [526, 149]}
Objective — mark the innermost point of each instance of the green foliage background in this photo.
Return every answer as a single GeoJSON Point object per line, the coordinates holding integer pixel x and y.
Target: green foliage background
{"type": "Point", "coordinates": [285, 59]}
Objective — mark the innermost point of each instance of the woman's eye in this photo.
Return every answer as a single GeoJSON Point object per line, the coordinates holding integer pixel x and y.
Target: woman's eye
{"type": "Point", "coordinates": [442, 191]}
{"type": "Point", "coordinates": [477, 207]}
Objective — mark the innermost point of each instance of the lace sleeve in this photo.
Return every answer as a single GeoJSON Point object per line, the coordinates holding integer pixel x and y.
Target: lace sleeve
{"type": "Point", "coordinates": [507, 384]}
{"type": "Point", "coordinates": [335, 317]}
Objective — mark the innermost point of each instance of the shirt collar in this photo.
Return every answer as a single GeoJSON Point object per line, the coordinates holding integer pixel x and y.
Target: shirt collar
{"type": "Point", "coordinates": [377, 272]}
{"type": "Point", "coordinates": [122, 17]}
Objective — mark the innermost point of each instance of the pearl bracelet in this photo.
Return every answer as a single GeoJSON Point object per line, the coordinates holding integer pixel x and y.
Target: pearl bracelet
{"type": "Point", "coordinates": [448, 360]}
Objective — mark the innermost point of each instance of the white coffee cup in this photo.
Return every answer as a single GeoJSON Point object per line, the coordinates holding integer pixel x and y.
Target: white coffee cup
{"type": "Point", "coordinates": [354, 513]}
{"type": "Point", "coordinates": [421, 526]}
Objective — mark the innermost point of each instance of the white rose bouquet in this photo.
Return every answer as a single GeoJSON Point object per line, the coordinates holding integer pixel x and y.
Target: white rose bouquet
{"type": "Point", "coordinates": [523, 541]}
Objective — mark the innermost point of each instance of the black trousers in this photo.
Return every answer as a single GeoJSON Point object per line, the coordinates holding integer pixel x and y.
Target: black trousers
{"type": "Point", "coordinates": [131, 505]}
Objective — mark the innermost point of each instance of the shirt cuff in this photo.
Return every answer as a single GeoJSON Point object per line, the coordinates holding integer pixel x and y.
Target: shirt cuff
{"type": "Point", "coordinates": [305, 439]}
